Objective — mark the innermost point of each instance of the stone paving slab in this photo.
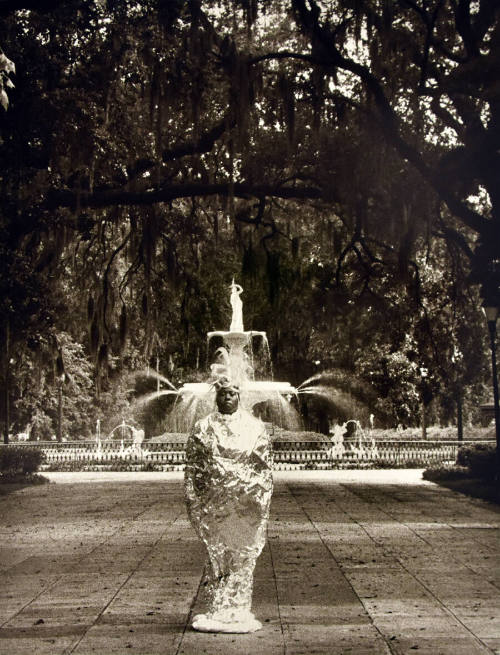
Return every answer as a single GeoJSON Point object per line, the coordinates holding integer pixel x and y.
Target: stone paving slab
{"type": "Point", "coordinates": [356, 562]}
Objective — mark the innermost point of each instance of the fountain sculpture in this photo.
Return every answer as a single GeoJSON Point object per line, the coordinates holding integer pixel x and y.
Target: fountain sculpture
{"type": "Point", "coordinates": [349, 439]}
{"type": "Point", "coordinates": [270, 399]}
{"type": "Point", "coordinates": [233, 354]}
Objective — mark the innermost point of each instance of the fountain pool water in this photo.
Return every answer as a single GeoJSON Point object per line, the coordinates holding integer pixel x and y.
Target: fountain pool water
{"type": "Point", "coordinates": [272, 401]}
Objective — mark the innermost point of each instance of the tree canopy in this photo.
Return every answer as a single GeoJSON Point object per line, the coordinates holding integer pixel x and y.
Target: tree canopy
{"type": "Point", "coordinates": [340, 158]}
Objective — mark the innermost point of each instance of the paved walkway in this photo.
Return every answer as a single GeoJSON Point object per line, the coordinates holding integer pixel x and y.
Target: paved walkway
{"type": "Point", "coordinates": [357, 562]}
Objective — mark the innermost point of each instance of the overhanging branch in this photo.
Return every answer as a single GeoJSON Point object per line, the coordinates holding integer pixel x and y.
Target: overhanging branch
{"type": "Point", "coordinates": [168, 193]}
{"type": "Point", "coordinates": [323, 41]}
{"type": "Point", "coordinates": [9, 6]}
{"type": "Point", "coordinates": [203, 144]}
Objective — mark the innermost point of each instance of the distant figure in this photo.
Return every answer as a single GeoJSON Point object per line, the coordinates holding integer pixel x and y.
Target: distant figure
{"type": "Point", "coordinates": [351, 429]}
{"type": "Point", "coordinates": [228, 486]}
{"type": "Point", "coordinates": [337, 439]}
{"type": "Point", "coordinates": [237, 307]}
{"type": "Point", "coordinates": [138, 435]}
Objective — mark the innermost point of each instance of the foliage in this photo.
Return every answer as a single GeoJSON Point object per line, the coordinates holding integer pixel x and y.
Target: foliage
{"type": "Point", "coordinates": [474, 473]}
{"type": "Point", "coordinates": [458, 478]}
{"type": "Point", "coordinates": [390, 464]}
{"type": "Point", "coordinates": [37, 385]}
{"type": "Point", "coordinates": [280, 435]}
{"type": "Point", "coordinates": [434, 433]}
{"type": "Point", "coordinates": [117, 465]}
{"type": "Point", "coordinates": [6, 68]}
{"type": "Point", "coordinates": [480, 460]}
{"type": "Point", "coordinates": [446, 472]}
{"type": "Point", "coordinates": [338, 160]}
{"type": "Point", "coordinates": [15, 460]}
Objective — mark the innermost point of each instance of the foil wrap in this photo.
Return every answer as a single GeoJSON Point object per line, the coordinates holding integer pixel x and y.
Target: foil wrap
{"type": "Point", "coordinates": [228, 488]}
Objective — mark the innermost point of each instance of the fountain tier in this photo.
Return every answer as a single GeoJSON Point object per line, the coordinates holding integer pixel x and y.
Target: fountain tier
{"type": "Point", "coordinates": [235, 358]}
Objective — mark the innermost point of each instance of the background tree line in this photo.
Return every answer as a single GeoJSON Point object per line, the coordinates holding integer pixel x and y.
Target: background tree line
{"type": "Point", "coordinates": [339, 159]}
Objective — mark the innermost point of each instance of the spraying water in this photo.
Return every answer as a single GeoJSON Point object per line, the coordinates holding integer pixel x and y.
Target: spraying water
{"type": "Point", "coordinates": [240, 355]}
{"type": "Point", "coordinates": [236, 358]}
{"type": "Point", "coordinates": [157, 376]}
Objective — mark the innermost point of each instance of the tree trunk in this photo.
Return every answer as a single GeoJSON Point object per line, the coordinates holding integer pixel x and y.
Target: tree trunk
{"type": "Point", "coordinates": [6, 398]}
{"type": "Point", "coordinates": [460, 418]}
{"type": "Point", "coordinates": [60, 411]}
{"type": "Point", "coordinates": [424, 421]}
{"type": "Point", "coordinates": [6, 407]}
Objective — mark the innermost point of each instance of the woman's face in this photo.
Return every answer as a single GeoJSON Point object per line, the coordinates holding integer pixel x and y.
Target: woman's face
{"type": "Point", "coordinates": [227, 401]}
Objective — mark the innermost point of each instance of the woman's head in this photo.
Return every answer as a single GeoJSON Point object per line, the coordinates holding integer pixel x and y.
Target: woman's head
{"type": "Point", "coordinates": [227, 396]}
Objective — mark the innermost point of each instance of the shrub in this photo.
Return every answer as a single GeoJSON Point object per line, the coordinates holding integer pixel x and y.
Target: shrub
{"type": "Point", "coordinates": [480, 459]}
{"type": "Point", "coordinates": [151, 466]}
{"type": "Point", "coordinates": [15, 460]}
{"type": "Point", "coordinates": [391, 464]}
{"type": "Point", "coordinates": [67, 467]}
{"type": "Point", "coordinates": [446, 472]}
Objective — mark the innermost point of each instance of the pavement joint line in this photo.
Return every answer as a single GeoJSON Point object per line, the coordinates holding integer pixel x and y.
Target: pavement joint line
{"type": "Point", "coordinates": [190, 613]}
{"type": "Point", "coordinates": [73, 647]}
{"type": "Point", "coordinates": [386, 641]}
{"type": "Point", "coordinates": [42, 591]}
{"type": "Point", "coordinates": [429, 543]}
{"type": "Point", "coordinates": [390, 514]}
{"type": "Point", "coordinates": [61, 576]}
{"type": "Point", "coordinates": [446, 609]}
{"type": "Point", "coordinates": [428, 590]}
{"type": "Point", "coordinates": [277, 591]}
{"type": "Point", "coordinates": [393, 518]}
{"type": "Point", "coordinates": [375, 491]}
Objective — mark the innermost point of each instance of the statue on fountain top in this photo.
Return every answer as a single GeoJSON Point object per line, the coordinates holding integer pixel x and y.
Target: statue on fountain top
{"type": "Point", "coordinates": [237, 306]}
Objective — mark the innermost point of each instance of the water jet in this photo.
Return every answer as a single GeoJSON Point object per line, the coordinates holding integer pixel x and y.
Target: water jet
{"type": "Point", "coordinates": [273, 401]}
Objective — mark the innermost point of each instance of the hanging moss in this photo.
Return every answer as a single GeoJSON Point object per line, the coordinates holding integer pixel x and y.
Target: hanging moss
{"type": "Point", "coordinates": [405, 248]}
{"type": "Point", "coordinates": [387, 13]}
{"type": "Point", "coordinates": [94, 335]}
{"type": "Point", "coordinates": [149, 241]}
{"type": "Point", "coordinates": [273, 276]}
{"type": "Point", "coordinates": [90, 308]}
{"type": "Point", "coordinates": [250, 262]}
{"type": "Point", "coordinates": [170, 12]}
{"type": "Point", "coordinates": [216, 226]}
{"type": "Point", "coordinates": [154, 91]}
{"type": "Point", "coordinates": [287, 92]}
{"type": "Point", "coordinates": [159, 116]}
{"type": "Point", "coordinates": [59, 364]}
{"type": "Point", "coordinates": [123, 328]}
{"type": "Point", "coordinates": [144, 304]}
{"type": "Point", "coordinates": [60, 240]}
{"type": "Point", "coordinates": [102, 357]}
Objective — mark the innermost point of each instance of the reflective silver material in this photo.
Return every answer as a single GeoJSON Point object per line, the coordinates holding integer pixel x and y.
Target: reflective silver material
{"type": "Point", "coordinates": [228, 486]}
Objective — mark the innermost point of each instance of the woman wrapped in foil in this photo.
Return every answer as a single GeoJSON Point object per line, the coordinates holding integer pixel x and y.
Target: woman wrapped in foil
{"type": "Point", "coordinates": [228, 485]}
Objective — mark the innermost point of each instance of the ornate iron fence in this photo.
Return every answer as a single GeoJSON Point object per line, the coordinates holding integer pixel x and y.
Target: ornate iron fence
{"type": "Point", "coordinates": [287, 455]}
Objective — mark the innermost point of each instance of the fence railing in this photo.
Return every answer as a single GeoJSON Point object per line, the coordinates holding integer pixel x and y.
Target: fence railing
{"type": "Point", "coordinates": [286, 454]}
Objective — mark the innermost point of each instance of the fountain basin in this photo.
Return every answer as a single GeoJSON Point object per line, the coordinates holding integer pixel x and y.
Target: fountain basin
{"type": "Point", "coordinates": [272, 401]}
{"type": "Point", "coordinates": [249, 386]}
{"type": "Point", "coordinates": [236, 337]}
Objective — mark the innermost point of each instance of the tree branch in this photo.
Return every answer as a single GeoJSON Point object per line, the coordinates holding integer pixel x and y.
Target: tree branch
{"type": "Point", "coordinates": [464, 28]}
{"type": "Point", "coordinates": [9, 6]}
{"type": "Point", "coordinates": [322, 40]}
{"type": "Point", "coordinates": [204, 143]}
{"type": "Point", "coordinates": [167, 193]}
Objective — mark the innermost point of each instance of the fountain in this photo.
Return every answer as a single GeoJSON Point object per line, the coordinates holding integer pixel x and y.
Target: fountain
{"type": "Point", "coordinates": [350, 439]}
{"type": "Point", "coordinates": [235, 357]}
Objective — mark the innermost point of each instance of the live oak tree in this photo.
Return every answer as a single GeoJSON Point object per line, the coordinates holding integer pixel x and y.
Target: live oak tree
{"type": "Point", "coordinates": [151, 149]}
